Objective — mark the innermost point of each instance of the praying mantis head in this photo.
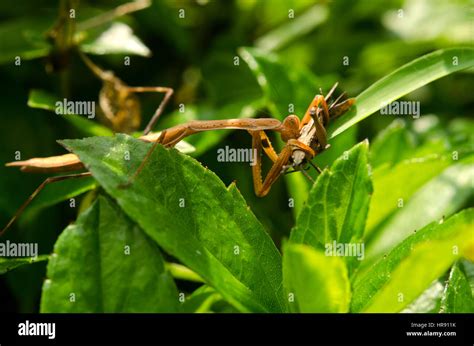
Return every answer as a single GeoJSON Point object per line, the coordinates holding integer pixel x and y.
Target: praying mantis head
{"type": "Point", "coordinates": [312, 136]}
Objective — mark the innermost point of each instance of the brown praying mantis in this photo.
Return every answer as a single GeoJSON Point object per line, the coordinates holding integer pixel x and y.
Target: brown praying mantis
{"type": "Point", "coordinates": [304, 139]}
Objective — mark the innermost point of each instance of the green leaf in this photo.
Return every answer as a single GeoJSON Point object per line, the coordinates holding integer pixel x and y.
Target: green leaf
{"type": "Point", "coordinates": [392, 145]}
{"type": "Point", "coordinates": [389, 285]}
{"type": "Point", "coordinates": [457, 297]}
{"type": "Point", "coordinates": [7, 264]}
{"type": "Point", "coordinates": [105, 263]}
{"type": "Point", "coordinates": [189, 212]}
{"type": "Point", "coordinates": [338, 202]}
{"type": "Point", "coordinates": [393, 184]}
{"type": "Point", "coordinates": [402, 81]}
{"type": "Point", "coordinates": [43, 100]}
{"type": "Point", "coordinates": [296, 27]}
{"type": "Point", "coordinates": [316, 282]}
{"type": "Point", "coordinates": [440, 197]}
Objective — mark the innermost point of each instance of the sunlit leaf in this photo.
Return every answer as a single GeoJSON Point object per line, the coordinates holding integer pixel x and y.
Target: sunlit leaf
{"type": "Point", "coordinates": [457, 296]}
{"type": "Point", "coordinates": [94, 257]}
{"type": "Point", "coordinates": [189, 212]}
{"type": "Point", "coordinates": [389, 285]}
{"type": "Point", "coordinates": [338, 203]}
{"type": "Point", "coordinates": [315, 282]}
{"type": "Point", "coordinates": [404, 80]}
{"type": "Point", "coordinates": [440, 197]}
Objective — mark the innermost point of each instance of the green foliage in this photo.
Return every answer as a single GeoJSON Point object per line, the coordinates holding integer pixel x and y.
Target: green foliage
{"type": "Point", "coordinates": [404, 80]}
{"type": "Point", "coordinates": [338, 203]}
{"type": "Point", "coordinates": [388, 286]}
{"type": "Point", "coordinates": [457, 296]}
{"type": "Point", "coordinates": [205, 225]}
{"type": "Point", "coordinates": [316, 282]}
{"type": "Point", "coordinates": [202, 300]}
{"type": "Point", "coordinates": [105, 263]}
{"type": "Point", "coordinates": [451, 189]}
{"type": "Point", "coordinates": [22, 38]}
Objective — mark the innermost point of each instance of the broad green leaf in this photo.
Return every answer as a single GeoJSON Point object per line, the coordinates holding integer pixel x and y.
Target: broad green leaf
{"type": "Point", "coordinates": [294, 28]}
{"type": "Point", "coordinates": [315, 282]}
{"type": "Point", "coordinates": [105, 263]}
{"type": "Point", "coordinates": [457, 297]}
{"type": "Point", "coordinates": [7, 264]}
{"type": "Point", "coordinates": [440, 197]}
{"type": "Point", "coordinates": [393, 185]}
{"type": "Point", "coordinates": [189, 212]}
{"type": "Point", "coordinates": [43, 100]}
{"type": "Point", "coordinates": [298, 190]}
{"type": "Point", "coordinates": [402, 81]}
{"type": "Point", "coordinates": [389, 285]}
{"type": "Point", "coordinates": [338, 202]}
{"type": "Point", "coordinates": [118, 38]}
{"type": "Point", "coordinates": [392, 145]}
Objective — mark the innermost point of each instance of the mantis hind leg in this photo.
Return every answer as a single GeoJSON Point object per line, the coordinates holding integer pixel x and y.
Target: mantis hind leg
{"type": "Point", "coordinates": [37, 191]}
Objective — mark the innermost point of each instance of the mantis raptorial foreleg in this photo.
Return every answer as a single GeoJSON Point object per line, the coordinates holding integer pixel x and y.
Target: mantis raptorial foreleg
{"type": "Point", "coordinates": [267, 146]}
{"type": "Point", "coordinates": [38, 190]}
{"type": "Point", "coordinates": [262, 189]}
{"type": "Point", "coordinates": [320, 129]}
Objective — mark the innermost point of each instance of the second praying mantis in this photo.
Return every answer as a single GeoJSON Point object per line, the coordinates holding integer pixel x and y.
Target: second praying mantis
{"type": "Point", "coordinates": [304, 138]}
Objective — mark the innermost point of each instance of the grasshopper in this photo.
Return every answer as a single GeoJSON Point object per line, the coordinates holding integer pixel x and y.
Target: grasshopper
{"type": "Point", "coordinates": [304, 139]}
